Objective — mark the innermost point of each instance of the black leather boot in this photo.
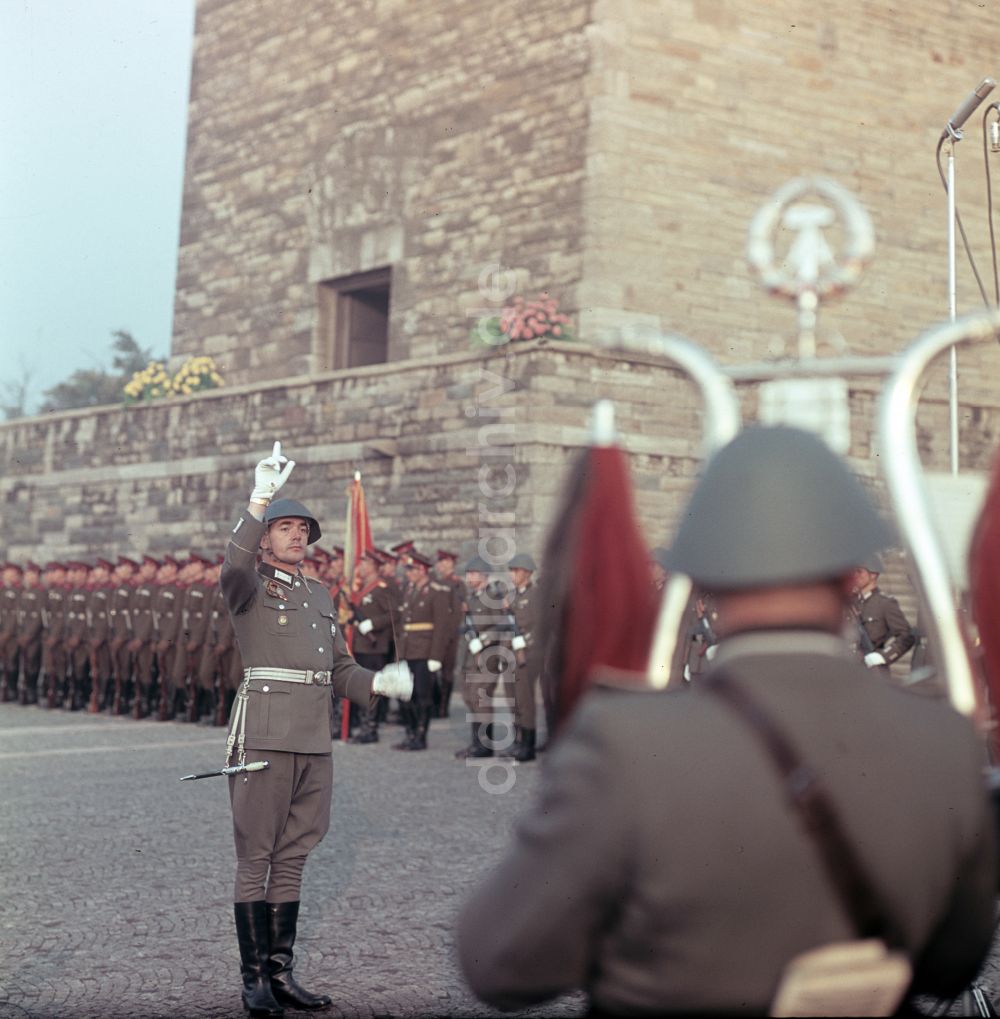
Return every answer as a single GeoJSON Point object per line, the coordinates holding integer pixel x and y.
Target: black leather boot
{"type": "Point", "coordinates": [423, 723]}
{"type": "Point", "coordinates": [284, 918]}
{"type": "Point", "coordinates": [409, 716]}
{"type": "Point", "coordinates": [526, 751]}
{"type": "Point", "coordinates": [476, 748]}
{"type": "Point", "coordinates": [253, 933]}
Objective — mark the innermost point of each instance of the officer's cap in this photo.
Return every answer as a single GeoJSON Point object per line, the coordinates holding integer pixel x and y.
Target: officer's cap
{"type": "Point", "coordinates": [414, 557]}
{"type": "Point", "coordinates": [124, 560]}
{"type": "Point", "coordinates": [522, 561]}
{"type": "Point", "coordinates": [775, 506]}
{"type": "Point", "coordinates": [32, 567]}
{"type": "Point", "coordinates": [477, 564]}
{"type": "Point", "coordinates": [292, 508]}
{"type": "Point", "coordinates": [443, 553]}
{"type": "Point", "coordinates": [874, 563]}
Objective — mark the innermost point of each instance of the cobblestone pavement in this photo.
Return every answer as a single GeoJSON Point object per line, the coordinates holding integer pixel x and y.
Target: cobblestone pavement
{"type": "Point", "coordinates": [116, 878]}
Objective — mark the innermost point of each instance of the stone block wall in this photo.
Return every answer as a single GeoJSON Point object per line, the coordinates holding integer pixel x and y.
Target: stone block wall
{"type": "Point", "coordinates": [330, 138]}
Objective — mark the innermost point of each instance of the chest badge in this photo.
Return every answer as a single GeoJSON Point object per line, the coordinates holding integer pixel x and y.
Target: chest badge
{"type": "Point", "coordinates": [282, 620]}
{"type": "Point", "coordinates": [272, 589]}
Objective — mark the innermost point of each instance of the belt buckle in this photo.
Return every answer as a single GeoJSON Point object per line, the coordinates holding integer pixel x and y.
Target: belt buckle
{"type": "Point", "coordinates": [321, 678]}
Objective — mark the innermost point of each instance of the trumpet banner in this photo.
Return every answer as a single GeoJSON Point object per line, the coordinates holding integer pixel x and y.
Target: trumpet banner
{"type": "Point", "coordinates": [599, 605]}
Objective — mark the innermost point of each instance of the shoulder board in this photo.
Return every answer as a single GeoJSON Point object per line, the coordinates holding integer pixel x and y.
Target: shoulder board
{"type": "Point", "coordinates": [439, 587]}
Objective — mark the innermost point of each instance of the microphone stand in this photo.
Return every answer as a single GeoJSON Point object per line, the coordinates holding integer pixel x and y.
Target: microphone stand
{"type": "Point", "coordinates": [952, 304]}
{"type": "Point", "coordinates": [953, 131]}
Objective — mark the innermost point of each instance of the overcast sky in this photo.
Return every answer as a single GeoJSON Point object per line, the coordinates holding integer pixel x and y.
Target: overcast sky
{"type": "Point", "coordinates": [92, 132]}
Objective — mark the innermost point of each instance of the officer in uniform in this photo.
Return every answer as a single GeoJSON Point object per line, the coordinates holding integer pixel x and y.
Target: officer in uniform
{"type": "Point", "coordinates": [295, 657]}
{"type": "Point", "coordinates": [141, 646]}
{"type": "Point", "coordinates": [423, 640]}
{"type": "Point", "coordinates": [885, 633]}
{"type": "Point", "coordinates": [195, 620]}
{"type": "Point", "coordinates": [30, 626]}
{"type": "Point", "coordinates": [168, 619]}
{"type": "Point", "coordinates": [374, 625]}
{"type": "Point", "coordinates": [54, 620]}
{"type": "Point", "coordinates": [523, 608]}
{"type": "Point", "coordinates": [488, 632]}
{"type": "Point", "coordinates": [445, 679]}
{"type": "Point", "coordinates": [664, 832]}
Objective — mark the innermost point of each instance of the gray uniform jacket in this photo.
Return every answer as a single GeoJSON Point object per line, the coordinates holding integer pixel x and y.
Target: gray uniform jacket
{"type": "Point", "coordinates": [287, 622]}
{"type": "Point", "coordinates": [662, 869]}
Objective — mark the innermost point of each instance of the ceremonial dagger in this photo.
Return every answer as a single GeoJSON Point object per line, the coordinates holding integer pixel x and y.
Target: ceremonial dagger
{"type": "Point", "coordinates": [235, 769]}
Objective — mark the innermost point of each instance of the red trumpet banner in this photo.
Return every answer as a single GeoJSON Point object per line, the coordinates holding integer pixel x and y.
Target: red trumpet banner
{"type": "Point", "coordinates": [357, 541]}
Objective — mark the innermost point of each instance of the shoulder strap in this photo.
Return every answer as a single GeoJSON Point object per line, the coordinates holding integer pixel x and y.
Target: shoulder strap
{"type": "Point", "coordinates": [843, 866]}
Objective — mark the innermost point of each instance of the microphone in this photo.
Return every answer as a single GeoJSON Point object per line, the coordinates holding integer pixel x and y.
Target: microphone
{"type": "Point", "coordinates": [962, 114]}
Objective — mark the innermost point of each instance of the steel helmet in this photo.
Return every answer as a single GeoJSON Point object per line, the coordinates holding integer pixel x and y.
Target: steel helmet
{"type": "Point", "coordinates": [292, 508]}
{"type": "Point", "coordinates": [776, 505]}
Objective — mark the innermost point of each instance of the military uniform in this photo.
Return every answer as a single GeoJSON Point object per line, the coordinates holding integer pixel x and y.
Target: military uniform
{"type": "Point", "coordinates": [10, 651]}
{"type": "Point", "coordinates": [54, 656]}
{"type": "Point", "coordinates": [667, 865]}
{"type": "Point", "coordinates": [488, 633]}
{"type": "Point", "coordinates": [887, 629]}
{"type": "Point", "coordinates": [98, 640]}
{"type": "Point", "coordinates": [523, 608]}
{"type": "Point", "coordinates": [141, 646]}
{"type": "Point", "coordinates": [77, 647]}
{"type": "Point", "coordinates": [613, 830]}
{"type": "Point", "coordinates": [168, 621]}
{"type": "Point", "coordinates": [31, 625]}
{"type": "Point", "coordinates": [118, 645]}
{"type": "Point", "coordinates": [196, 609]}
{"type": "Point", "coordinates": [376, 603]}
{"type": "Point", "coordinates": [295, 658]}
{"type": "Point", "coordinates": [456, 614]}
{"type": "Point", "coordinates": [424, 637]}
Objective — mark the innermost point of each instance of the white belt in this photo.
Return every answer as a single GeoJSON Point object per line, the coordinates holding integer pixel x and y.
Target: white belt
{"type": "Point", "coordinates": [321, 678]}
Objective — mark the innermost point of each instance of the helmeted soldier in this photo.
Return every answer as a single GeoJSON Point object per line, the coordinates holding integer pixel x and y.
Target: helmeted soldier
{"type": "Point", "coordinates": [488, 631]}
{"type": "Point", "coordinates": [664, 821]}
{"type": "Point", "coordinates": [885, 633]}
{"type": "Point", "coordinates": [30, 628]}
{"type": "Point", "coordinates": [374, 623]}
{"type": "Point", "coordinates": [524, 609]}
{"type": "Point", "coordinates": [423, 638]}
{"type": "Point", "coordinates": [295, 658]}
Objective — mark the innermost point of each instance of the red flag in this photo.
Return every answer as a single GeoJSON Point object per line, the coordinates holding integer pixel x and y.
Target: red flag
{"type": "Point", "coordinates": [984, 584]}
{"type": "Point", "coordinates": [357, 530]}
{"type": "Point", "coordinates": [597, 591]}
{"type": "Point", "coordinates": [357, 541]}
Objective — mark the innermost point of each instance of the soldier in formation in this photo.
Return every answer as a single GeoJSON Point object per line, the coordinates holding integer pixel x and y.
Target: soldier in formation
{"type": "Point", "coordinates": [151, 637]}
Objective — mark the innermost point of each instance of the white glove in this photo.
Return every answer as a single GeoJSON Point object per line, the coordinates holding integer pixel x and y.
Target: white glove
{"type": "Point", "coordinates": [475, 645]}
{"type": "Point", "coordinates": [365, 626]}
{"type": "Point", "coordinates": [873, 658]}
{"type": "Point", "coordinates": [395, 680]}
{"type": "Point", "coordinates": [518, 643]}
{"type": "Point", "coordinates": [433, 665]}
{"type": "Point", "coordinates": [268, 476]}
{"type": "Point", "coordinates": [711, 651]}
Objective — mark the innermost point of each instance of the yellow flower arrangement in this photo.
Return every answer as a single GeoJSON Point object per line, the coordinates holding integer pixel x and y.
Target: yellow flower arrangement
{"type": "Point", "coordinates": [196, 374]}
{"type": "Point", "coordinates": [153, 382]}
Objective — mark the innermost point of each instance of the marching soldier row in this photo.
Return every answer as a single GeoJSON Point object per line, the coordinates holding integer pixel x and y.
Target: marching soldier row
{"type": "Point", "coordinates": [152, 637]}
